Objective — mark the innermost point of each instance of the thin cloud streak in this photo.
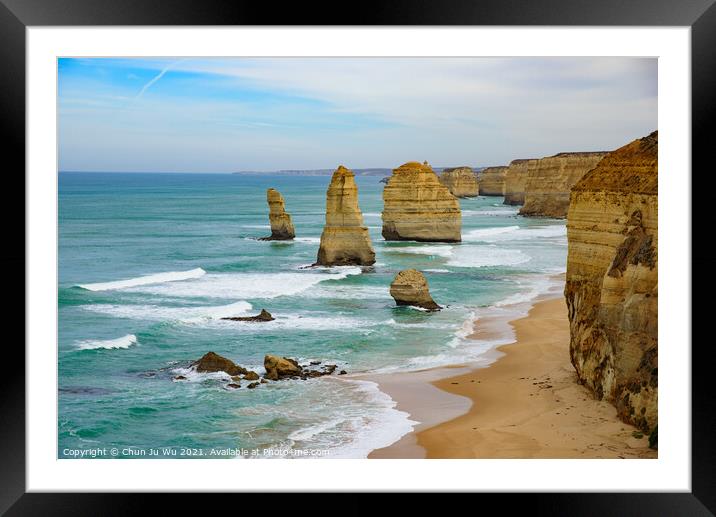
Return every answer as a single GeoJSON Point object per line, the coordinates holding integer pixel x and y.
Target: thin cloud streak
{"type": "Point", "coordinates": [157, 77]}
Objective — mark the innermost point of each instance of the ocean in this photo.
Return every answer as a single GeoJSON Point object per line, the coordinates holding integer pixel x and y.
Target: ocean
{"type": "Point", "coordinates": [149, 263]}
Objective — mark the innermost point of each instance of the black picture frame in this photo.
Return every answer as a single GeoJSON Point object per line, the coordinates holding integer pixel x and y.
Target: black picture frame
{"type": "Point", "coordinates": [17, 15]}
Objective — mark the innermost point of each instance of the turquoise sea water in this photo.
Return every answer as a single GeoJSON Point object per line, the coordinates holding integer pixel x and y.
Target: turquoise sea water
{"type": "Point", "coordinates": [123, 337]}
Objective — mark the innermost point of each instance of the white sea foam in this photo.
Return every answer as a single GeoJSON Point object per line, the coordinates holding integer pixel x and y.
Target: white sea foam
{"type": "Point", "coordinates": [247, 285]}
{"type": "Point", "coordinates": [437, 270]}
{"type": "Point", "coordinates": [438, 251]}
{"type": "Point", "coordinates": [371, 214]}
{"type": "Point", "coordinates": [510, 233]}
{"type": "Point", "coordinates": [485, 233]}
{"type": "Point", "coordinates": [379, 424]}
{"type": "Point", "coordinates": [122, 342]}
{"type": "Point", "coordinates": [157, 278]}
{"type": "Point", "coordinates": [308, 240]}
{"type": "Point", "coordinates": [346, 292]}
{"type": "Point", "coordinates": [486, 256]}
{"type": "Point", "coordinates": [180, 314]}
{"type": "Point", "coordinates": [496, 212]}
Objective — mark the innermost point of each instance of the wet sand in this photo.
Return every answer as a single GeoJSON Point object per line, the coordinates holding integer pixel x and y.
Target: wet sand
{"type": "Point", "coordinates": [526, 404]}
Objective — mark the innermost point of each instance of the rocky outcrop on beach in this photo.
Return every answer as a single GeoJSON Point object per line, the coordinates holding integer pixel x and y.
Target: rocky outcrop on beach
{"type": "Point", "coordinates": [211, 362]}
{"type": "Point", "coordinates": [278, 368]}
{"type": "Point", "coordinates": [263, 316]}
{"type": "Point", "coordinates": [410, 287]}
{"type": "Point", "coordinates": [516, 180]}
{"type": "Point", "coordinates": [551, 180]}
{"type": "Point", "coordinates": [345, 239]}
{"type": "Point", "coordinates": [417, 207]}
{"type": "Point", "coordinates": [492, 181]}
{"type": "Point", "coordinates": [460, 181]}
{"type": "Point", "coordinates": [281, 224]}
{"type": "Point", "coordinates": [611, 285]}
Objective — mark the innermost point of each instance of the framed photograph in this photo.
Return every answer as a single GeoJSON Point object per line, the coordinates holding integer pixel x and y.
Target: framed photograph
{"type": "Point", "coordinates": [416, 253]}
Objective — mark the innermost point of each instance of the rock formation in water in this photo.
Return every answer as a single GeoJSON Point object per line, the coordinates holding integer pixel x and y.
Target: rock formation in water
{"type": "Point", "coordinates": [263, 316]}
{"type": "Point", "coordinates": [345, 240]}
{"type": "Point", "coordinates": [611, 286]}
{"type": "Point", "coordinates": [411, 288]}
{"type": "Point", "coordinates": [550, 181]}
{"type": "Point", "coordinates": [417, 207]}
{"type": "Point", "coordinates": [492, 181]}
{"type": "Point", "coordinates": [281, 225]}
{"type": "Point", "coordinates": [278, 368]}
{"type": "Point", "coordinates": [460, 181]}
{"type": "Point", "coordinates": [211, 362]}
{"type": "Point", "coordinates": [516, 180]}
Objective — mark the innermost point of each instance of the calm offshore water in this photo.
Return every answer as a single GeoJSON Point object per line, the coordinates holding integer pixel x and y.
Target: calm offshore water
{"type": "Point", "coordinates": [122, 340]}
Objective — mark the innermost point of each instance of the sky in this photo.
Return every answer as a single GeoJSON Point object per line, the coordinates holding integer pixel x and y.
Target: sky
{"type": "Point", "coordinates": [264, 114]}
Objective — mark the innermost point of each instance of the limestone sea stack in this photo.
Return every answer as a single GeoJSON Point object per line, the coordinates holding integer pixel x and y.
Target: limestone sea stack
{"type": "Point", "coordinates": [411, 288]}
{"type": "Point", "coordinates": [516, 180]}
{"type": "Point", "coordinates": [460, 181]}
{"type": "Point", "coordinates": [281, 224]}
{"type": "Point", "coordinates": [549, 183]}
{"type": "Point", "coordinates": [417, 207]}
{"type": "Point", "coordinates": [492, 181]}
{"type": "Point", "coordinates": [345, 240]}
{"type": "Point", "coordinates": [611, 286]}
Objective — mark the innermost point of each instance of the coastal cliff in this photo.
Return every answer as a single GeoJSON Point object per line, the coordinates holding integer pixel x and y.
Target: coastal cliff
{"type": "Point", "coordinates": [417, 207]}
{"type": "Point", "coordinates": [345, 240]}
{"type": "Point", "coordinates": [550, 181]}
{"type": "Point", "coordinates": [281, 224]}
{"type": "Point", "coordinates": [460, 181]}
{"type": "Point", "coordinates": [611, 286]}
{"type": "Point", "coordinates": [516, 180]}
{"type": "Point", "coordinates": [492, 181]}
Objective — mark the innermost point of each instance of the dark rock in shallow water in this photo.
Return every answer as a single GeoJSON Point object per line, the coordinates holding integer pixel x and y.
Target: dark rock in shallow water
{"type": "Point", "coordinates": [252, 385]}
{"type": "Point", "coordinates": [251, 376]}
{"type": "Point", "coordinates": [212, 362]}
{"type": "Point", "coordinates": [314, 363]}
{"type": "Point", "coordinates": [179, 378]}
{"type": "Point", "coordinates": [342, 372]}
{"type": "Point", "coordinates": [263, 316]}
{"type": "Point", "coordinates": [234, 385]}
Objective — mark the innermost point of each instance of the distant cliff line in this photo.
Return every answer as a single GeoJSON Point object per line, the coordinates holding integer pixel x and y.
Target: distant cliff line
{"type": "Point", "coordinates": [328, 172]}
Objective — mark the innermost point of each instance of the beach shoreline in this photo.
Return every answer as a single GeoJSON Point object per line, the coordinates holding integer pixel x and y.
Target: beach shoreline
{"type": "Point", "coordinates": [526, 403]}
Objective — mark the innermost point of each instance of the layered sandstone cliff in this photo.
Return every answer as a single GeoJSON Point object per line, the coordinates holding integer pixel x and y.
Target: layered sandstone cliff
{"type": "Point", "coordinates": [549, 183]}
{"type": "Point", "coordinates": [417, 207]}
{"type": "Point", "coordinates": [516, 180]}
{"type": "Point", "coordinates": [611, 286]}
{"type": "Point", "coordinates": [281, 224]}
{"type": "Point", "coordinates": [460, 181]}
{"type": "Point", "coordinates": [345, 240]}
{"type": "Point", "coordinates": [492, 181]}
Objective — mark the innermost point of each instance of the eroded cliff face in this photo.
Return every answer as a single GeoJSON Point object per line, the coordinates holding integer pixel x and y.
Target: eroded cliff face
{"type": "Point", "coordinates": [611, 286]}
{"type": "Point", "coordinates": [417, 207]}
{"type": "Point", "coordinates": [460, 181]}
{"type": "Point", "coordinates": [492, 181]}
{"type": "Point", "coordinates": [516, 180]}
{"type": "Point", "coordinates": [551, 180]}
{"type": "Point", "coordinates": [281, 224]}
{"type": "Point", "coordinates": [410, 287]}
{"type": "Point", "coordinates": [345, 240]}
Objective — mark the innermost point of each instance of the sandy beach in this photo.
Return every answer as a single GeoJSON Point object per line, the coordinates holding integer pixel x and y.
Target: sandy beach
{"type": "Point", "coordinates": [527, 404]}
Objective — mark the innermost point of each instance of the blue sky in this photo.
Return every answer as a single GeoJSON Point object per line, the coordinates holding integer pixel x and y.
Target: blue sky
{"type": "Point", "coordinates": [229, 114]}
